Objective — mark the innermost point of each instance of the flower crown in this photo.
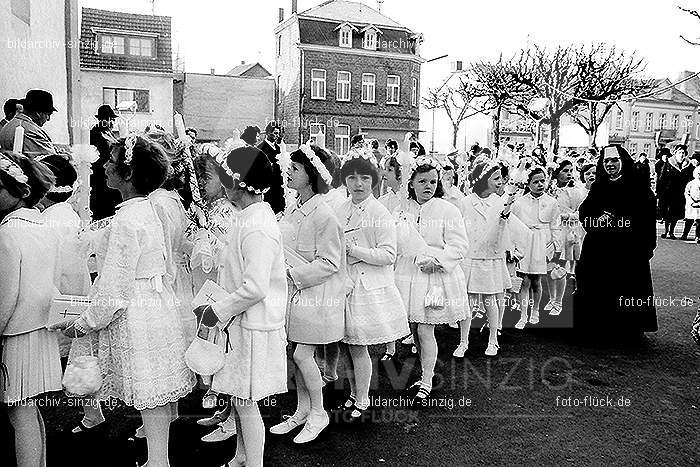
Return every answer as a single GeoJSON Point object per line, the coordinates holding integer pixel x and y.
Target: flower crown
{"type": "Point", "coordinates": [129, 144]}
{"type": "Point", "coordinates": [425, 160]}
{"type": "Point", "coordinates": [13, 170]}
{"type": "Point", "coordinates": [61, 189]}
{"type": "Point", "coordinates": [316, 162]}
{"type": "Point", "coordinates": [361, 154]}
{"type": "Point", "coordinates": [237, 177]}
{"type": "Point", "coordinates": [487, 168]}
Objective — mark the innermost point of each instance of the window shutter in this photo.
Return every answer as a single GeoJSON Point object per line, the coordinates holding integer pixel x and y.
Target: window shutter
{"type": "Point", "coordinates": [143, 101]}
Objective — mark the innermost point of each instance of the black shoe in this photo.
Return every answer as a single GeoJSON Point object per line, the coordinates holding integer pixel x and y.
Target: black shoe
{"type": "Point", "coordinates": [672, 237]}
{"type": "Point", "coordinates": [663, 235]}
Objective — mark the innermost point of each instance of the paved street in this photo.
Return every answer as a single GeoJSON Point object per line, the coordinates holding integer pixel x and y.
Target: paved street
{"type": "Point", "coordinates": [541, 401]}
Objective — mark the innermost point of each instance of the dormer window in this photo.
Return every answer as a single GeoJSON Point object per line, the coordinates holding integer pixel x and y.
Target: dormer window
{"type": "Point", "coordinates": [371, 39]}
{"type": "Point", "coordinates": [345, 35]}
{"type": "Point", "coordinates": [129, 43]}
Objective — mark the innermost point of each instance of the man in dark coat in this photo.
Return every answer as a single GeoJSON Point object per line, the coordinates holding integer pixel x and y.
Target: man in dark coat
{"type": "Point", "coordinates": [643, 168]}
{"type": "Point", "coordinates": [103, 200]}
{"type": "Point", "coordinates": [671, 190]}
{"type": "Point", "coordinates": [275, 196]}
{"type": "Point", "coordinates": [614, 291]}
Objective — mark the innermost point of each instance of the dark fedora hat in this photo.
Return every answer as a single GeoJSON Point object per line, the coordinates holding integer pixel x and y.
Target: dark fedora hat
{"type": "Point", "coordinates": [38, 100]}
{"type": "Point", "coordinates": [105, 112]}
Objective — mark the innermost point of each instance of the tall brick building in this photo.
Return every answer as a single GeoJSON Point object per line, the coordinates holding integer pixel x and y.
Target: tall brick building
{"type": "Point", "coordinates": [343, 68]}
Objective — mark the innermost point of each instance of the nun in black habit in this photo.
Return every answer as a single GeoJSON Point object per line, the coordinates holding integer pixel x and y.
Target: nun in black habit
{"type": "Point", "coordinates": [614, 290]}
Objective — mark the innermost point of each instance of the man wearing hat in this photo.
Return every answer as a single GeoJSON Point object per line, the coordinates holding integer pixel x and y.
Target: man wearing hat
{"type": "Point", "coordinates": [37, 110]}
{"type": "Point", "coordinates": [103, 200]}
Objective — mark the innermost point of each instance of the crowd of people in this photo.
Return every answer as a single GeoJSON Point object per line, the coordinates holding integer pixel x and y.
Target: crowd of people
{"type": "Point", "coordinates": [327, 254]}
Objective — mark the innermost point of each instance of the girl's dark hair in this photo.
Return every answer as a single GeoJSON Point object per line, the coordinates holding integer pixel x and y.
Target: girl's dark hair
{"type": "Point", "coordinates": [149, 165]}
{"type": "Point", "coordinates": [479, 180]}
{"type": "Point", "coordinates": [560, 167]}
{"type": "Point", "coordinates": [535, 171]}
{"type": "Point", "coordinates": [41, 179]}
{"type": "Point", "coordinates": [318, 185]}
{"type": "Point", "coordinates": [65, 174]}
{"type": "Point", "coordinates": [393, 164]}
{"type": "Point", "coordinates": [357, 139]}
{"type": "Point", "coordinates": [585, 168]}
{"type": "Point", "coordinates": [252, 165]}
{"type": "Point", "coordinates": [422, 169]}
{"type": "Point", "coordinates": [250, 134]}
{"type": "Point", "coordinates": [204, 164]}
{"type": "Point", "coordinates": [362, 166]}
{"type": "Point", "coordinates": [390, 143]}
{"type": "Point", "coordinates": [335, 161]}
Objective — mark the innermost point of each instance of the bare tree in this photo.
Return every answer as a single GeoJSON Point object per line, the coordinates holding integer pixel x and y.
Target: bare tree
{"type": "Point", "coordinates": [497, 89]}
{"type": "Point", "coordinates": [696, 15]}
{"type": "Point", "coordinates": [606, 75]}
{"type": "Point", "coordinates": [455, 101]}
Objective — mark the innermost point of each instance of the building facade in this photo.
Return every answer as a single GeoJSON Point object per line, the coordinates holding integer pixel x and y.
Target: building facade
{"type": "Point", "coordinates": [343, 68]}
{"type": "Point", "coordinates": [127, 57]}
{"type": "Point", "coordinates": [39, 52]}
{"type": "Point", "coordinates": [217, 104]}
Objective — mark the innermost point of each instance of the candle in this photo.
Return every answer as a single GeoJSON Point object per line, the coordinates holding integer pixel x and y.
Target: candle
{"type": "Point", "coordinates": [18, 143]}
{"type": "Point", "coordinates": [179, 126]}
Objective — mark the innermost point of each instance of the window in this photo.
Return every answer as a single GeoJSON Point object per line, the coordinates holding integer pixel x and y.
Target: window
{"type": "Point", "coordinates": [279, 45]}
{"type": "Point", "coordinates": [370, 42]}
{"type": "Point", "coordinates": [318, 84]}
{"type": "Point", "coordinates": [688, 123]}
{"type": "Point", "coordinates": [662, 121]}
{"type": "Point", "coordinates": [279, 89]}
{"type": "Point", "coordinates": [620, 124]}
{"type": "Point", "coordinates": [113, 96]}
{"type": "Point", "coordinates": [368, 88]}
{"type": "Point", "coordinates": [342, 139]}
{"type": "Point", "coordinates": [633, 148]}
{"type": "Point", "coordinates": [414, 92]}
{"type": "Point", "coordinates": [343, 86]}
{"type": "Point", "coordinates": [112, 45]}
{"type": "Point", "coordinates": [317, 134]}
{"type": "Point", "coordinates": [21, 9]}
{"type": "Point", "coordinates": [697, 130]}
{"type": "Point", "coordinates": [393, 89]}
{"type": "Point", "coordinates": [647, 148]}
{"type": "Point", "coordinates": [674, 122]}
{"type": "Point", "coordinates": [346, 36]}
{"type": "Point", "coordinates": [140, 47]}
{"type": "Point", "coordinates": [650, 122]}
{"type": "Point", "coordinates": [635, 121]}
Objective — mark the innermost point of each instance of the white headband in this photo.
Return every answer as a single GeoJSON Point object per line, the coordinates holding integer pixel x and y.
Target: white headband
{"type": "Point", "coordinates": [61, 189]}
{"type": "Point", "coordinates": [316, 162]}
{"type": "Point", "coordinates": [425, 160]}
{"type": "Point", "coordinates": [489, 166]}
{"type": "Point", "coordinates": [237, 177]}
{"type": "Point", "coordinates": [13, 170]}
{"type": "Point", "coordinates": [361, 154]}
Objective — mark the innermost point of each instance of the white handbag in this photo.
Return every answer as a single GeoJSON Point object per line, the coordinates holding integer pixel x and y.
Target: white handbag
{"type": "Point", "coordinates": [83, 376]}
{"type": "Point", "coordinates": [203, 357]}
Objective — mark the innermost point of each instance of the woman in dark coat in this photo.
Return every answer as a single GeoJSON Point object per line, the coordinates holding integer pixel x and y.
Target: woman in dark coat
{"type": "Point", "coordinates": [671, 190]}
{"type": "Point", "coordinates": [613, 278]}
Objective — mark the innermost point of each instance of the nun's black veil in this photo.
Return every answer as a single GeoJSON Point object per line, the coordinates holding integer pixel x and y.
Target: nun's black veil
{"type": "Point", "coordinates": [628, 172]}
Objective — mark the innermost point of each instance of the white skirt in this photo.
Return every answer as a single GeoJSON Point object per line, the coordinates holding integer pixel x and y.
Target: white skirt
{"type": "Point", "coordinates": [33, 365]}
{"type": "Point", "coordinates": [486, 276]}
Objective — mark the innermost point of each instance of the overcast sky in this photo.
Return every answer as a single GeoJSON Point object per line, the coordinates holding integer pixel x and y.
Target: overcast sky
{"type": "Point", "coordinates": [220, 33]}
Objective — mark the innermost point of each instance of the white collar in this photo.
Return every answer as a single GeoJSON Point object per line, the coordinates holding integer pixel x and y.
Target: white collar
{"type": "Point", "coordinates": [131, 201]}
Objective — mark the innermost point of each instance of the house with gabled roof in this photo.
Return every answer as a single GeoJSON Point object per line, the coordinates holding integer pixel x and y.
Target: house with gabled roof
{"type": "Point", "coordinates": [344, 68]}
{"type": "Point", "coordinates": [126, 57]}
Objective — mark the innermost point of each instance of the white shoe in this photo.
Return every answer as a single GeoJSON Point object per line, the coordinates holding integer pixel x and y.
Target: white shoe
{"type": "Point", "coordinates": [219, 435]}
{"type": "Point", "coordinates": [454, 325]}
{"type": "Point", "coordinates": [549, 306]}
{"type": "Point", "coordinates": [491, 350]}
{"type": "Point", "coordinates": [459, 351]}
{"type": "Point", "coordinates": [312, 428]}
{"type": "Point", "coordinates": [534, 319]}
{"type": "Point", "coordinates": [288, 425]}
{"type": "Point", "coordinates": [556, 310]}
{"type": "Point", "coordinates": [215, 419]}
{"type": "Point", "coordinates": [408, 341]}
{"type": "Point", "coordinates": [520, 324]}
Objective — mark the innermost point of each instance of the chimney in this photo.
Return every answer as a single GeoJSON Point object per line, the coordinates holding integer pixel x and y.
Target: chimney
{"type": "Point", "coordinates": [242, 62]}
{"type": "Point", "coordinates": [281, 14]}
{"type": "Point", "coordinates": [294, 7]}
{"type": "Point", "coordinates": [379, 5]}
{"type": "Point", "coordinates": [212, 71]}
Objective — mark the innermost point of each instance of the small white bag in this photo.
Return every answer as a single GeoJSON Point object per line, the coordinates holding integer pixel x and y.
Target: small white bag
{"type": "Point", "coordinates": [203, 357]}
{"type": "Point", "coordinates": [83, 376]}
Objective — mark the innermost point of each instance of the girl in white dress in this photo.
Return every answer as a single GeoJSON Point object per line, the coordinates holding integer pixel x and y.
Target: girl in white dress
{"type": "Point", "coordinates": [315, 313]}
{"type": "Point", "coordinates": [30, 364]}
{"type": "Point", "coordinates": [59, 215]}
{"type": "Point", "coordinates": [253, 273]}
{"type": "Point", "coordinates": [540, 213]}
{"type": "Point", "coordinates": [141, 342]}
{"type": "Point", "coordinates": [569, 198]}
{"type": "Point", "coordinates": [429, 263]}
{"type": "Point", "coordinates": [374, 312]}
{"type": "Point", "coordinates": [449, 184]}
{"type": "Point", "coordinates": [692, 202]}
{"type": "Point", "coordinates": [485, 217]}
{"type": "Point", "coordinates": [588, 176]}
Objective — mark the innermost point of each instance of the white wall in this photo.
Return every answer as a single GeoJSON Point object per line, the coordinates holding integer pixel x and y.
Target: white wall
{"type": "Point", "coordinates": [34, 57]}
{"type": "Point", "coordinates": [159, 85]}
